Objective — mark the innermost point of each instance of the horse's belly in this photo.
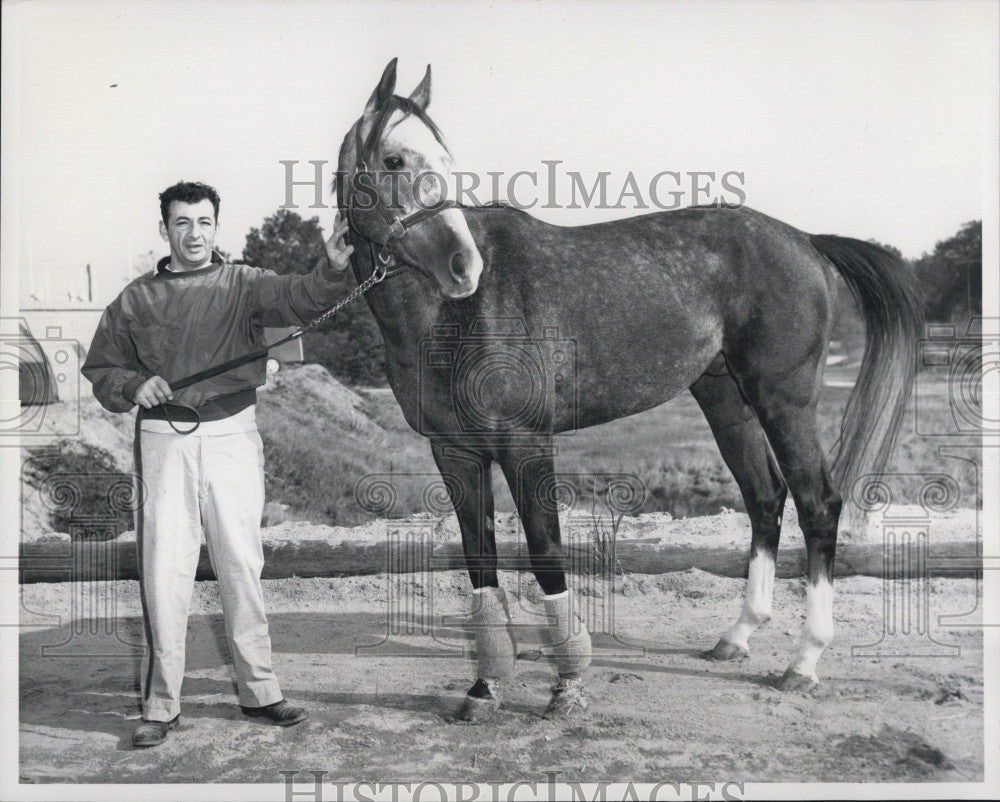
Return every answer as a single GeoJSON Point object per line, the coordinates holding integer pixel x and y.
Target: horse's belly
{"type": "Point", "coordinates": [614, 378]}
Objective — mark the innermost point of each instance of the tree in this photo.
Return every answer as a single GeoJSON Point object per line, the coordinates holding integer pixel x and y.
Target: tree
{"type": "Point", "coordinates": [285, 243]}
{"type": "Point", "coordinates": [349, 345]}
{"type": "Point", "coordinates": [952, 275]}
{"type": "Point", "coordinates": [950, 278]}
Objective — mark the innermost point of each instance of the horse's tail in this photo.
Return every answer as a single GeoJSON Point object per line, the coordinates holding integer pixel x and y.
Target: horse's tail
{"type": "Point", "coordinates": [890, 303]}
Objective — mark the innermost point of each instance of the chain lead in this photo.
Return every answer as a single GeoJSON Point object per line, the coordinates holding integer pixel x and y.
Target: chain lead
{"type": "Point", "coordinates": [361, 289]}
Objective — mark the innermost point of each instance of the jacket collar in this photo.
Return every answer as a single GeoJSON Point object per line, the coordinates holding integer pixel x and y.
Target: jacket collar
{"type": "Point", "coordinates": [161, 267]}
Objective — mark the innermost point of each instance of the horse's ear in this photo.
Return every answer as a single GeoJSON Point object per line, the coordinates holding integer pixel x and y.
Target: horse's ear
{"type": "Point", "coordinates": [421, 96]}
{"type": "Point", "coordinates": [384, 89]}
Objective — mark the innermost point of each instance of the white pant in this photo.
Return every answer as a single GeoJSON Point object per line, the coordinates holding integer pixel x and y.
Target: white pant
{"type": "Point", "coordinates": [213, 483]}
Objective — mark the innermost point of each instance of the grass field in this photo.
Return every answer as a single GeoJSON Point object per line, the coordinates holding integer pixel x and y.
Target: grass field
{"type": "Point", "coordinates": [669, 449]}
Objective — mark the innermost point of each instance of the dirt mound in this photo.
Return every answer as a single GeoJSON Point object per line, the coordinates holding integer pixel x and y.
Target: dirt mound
{"type": "Point", "coordinates": [91, 439]}
{"type": "Point", "coordinates": [309, 392]}
{"type": "Point", "coordinates": [74, 425]}
{"type": "Point", "coordinates": [75, 439]}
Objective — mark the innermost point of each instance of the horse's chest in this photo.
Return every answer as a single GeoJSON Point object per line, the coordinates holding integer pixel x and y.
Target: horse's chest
{"type": "Point", "coordinates": [485, 383]}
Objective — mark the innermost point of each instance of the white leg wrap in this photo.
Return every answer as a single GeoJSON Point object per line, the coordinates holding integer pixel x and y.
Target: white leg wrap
{"type": "Point", "coordinates": [567, 635]}
{"type": "Point", "coordinates": [757, 607]}
{"type": "Point", "coordinates": [818, 631]}
{"type": "Point", "coordinates": [495, 646]}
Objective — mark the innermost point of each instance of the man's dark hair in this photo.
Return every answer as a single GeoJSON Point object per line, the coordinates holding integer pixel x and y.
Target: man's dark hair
{"type": "Point", "coordinates": [187, 192]}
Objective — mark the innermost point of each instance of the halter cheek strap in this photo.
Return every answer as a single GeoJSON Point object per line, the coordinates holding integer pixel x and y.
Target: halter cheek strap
{"type": "Point", "coordinates": [384, 260]}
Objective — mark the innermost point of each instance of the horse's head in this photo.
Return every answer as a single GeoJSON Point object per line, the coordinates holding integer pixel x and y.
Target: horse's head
{"type": "Point", "coordinates": [392, 182]}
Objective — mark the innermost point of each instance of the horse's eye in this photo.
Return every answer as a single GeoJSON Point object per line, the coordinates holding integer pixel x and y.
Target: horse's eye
{"type": "Point", "coordinates": [393, 163]}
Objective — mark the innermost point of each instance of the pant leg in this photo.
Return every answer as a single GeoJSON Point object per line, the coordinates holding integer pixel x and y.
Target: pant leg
{"type": "Point", "coordinates": [169, 549]}
{"type": "Point", "coordinates": [231, 511]}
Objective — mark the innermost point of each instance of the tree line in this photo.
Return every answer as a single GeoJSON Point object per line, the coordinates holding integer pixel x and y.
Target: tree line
{"type": "Point", "coordinates": [950, 278]}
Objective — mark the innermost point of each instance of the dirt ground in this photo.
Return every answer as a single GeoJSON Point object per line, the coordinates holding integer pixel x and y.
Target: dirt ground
{"type": "Point", "coordinates": [382, 662]}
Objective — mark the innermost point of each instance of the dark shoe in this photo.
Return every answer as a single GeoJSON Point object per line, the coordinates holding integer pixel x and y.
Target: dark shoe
{"type": "Point", "coordinates": [281, 713]}
{"type": "Point", "coordinates": [153, 733]}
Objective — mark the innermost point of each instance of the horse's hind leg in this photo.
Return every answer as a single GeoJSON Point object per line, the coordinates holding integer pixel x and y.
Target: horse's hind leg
{"type": "Point", "coordinates": [745, 450]}
{"type": "Point", "coordinates": [786, 407]}
{"type": "Point", "coordinates": [467, 477]}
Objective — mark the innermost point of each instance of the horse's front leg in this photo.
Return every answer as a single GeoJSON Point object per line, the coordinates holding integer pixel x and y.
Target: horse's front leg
{"type": "Point", "coordinates": [467, 476]}
{"type": "Point", "coordinates": [530, 472]}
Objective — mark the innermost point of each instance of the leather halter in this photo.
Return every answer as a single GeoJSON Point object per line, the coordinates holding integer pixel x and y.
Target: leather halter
{"type": "Point", "coordinates": [384, 263]}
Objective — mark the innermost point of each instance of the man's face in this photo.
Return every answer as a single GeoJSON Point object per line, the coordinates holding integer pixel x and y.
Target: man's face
{"type": "Point", "coordinates": [191, 234]}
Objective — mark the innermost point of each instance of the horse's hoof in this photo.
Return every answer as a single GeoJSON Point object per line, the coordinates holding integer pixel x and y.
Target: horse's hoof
{"type": "Point", "coordinates": [480, 703]}
{"type": "Point", "coordinates": [794, 681]}
{"type": "Point", "coordinates": [726, 650]}
{"type": "Point", "coordinates": [568, 699]}
{"type": "Point", "coordinates": [477, 711]}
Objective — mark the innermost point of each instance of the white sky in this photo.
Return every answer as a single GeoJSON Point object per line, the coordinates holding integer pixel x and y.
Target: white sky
{"type": "Point", "coordinates": [868, 119]}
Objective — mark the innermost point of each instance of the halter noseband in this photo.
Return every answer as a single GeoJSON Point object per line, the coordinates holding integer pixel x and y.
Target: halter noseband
{"type": "Point", "coordinates": [384, 259]}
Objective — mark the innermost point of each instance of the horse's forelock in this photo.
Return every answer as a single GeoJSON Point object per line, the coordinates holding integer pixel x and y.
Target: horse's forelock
{"type": "Point", "coordinates": [411, 109]}
{"type": "Point", "coordinates": [394, 103]}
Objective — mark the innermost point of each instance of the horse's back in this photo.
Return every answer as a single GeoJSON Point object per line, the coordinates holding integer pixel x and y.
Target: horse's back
{"type": "Point", "coordinates": [647, 302]}
{"type": "Point", "coordinates": [722, 265]}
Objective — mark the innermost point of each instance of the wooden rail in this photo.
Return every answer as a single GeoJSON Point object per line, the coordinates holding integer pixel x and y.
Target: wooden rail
{"type": "Point", "coordinates": [88, 561]}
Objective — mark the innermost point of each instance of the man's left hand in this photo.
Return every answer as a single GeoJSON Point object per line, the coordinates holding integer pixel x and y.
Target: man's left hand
{"type": "Point", "coordinates": [337, 252]}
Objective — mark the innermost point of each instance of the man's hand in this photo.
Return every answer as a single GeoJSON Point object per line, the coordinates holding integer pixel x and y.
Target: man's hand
{"type": "Point", "coordinates": [337, 252]}
{"type": "Point", "coordinates": [153, 392]}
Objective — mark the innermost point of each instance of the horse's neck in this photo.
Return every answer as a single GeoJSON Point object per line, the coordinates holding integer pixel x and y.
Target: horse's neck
{"type": "Point", "coordinates": [406, 306]}
{"type": "Point", "coordinates": [398, 306]}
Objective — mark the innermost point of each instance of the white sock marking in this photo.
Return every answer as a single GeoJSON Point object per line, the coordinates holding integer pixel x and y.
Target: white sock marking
{"type": "Point", "coordinates": [757, 606]}
{"type": "Point", "coordinates": [818, 631]}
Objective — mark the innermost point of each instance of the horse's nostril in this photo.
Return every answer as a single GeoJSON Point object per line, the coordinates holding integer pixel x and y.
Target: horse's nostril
{"type": "Point", "coordinates": [459, 266]}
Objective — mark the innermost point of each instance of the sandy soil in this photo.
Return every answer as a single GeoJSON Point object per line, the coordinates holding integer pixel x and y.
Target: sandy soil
{"type": "Point", "coordinates": [382, 663]}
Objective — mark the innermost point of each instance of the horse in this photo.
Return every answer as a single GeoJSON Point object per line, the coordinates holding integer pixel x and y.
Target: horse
{"type": "Point", "coordinates": [724, 302]}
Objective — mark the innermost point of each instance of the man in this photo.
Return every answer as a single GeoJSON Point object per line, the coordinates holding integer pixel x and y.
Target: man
{"type": "Point", "coordinates": [193, 312]}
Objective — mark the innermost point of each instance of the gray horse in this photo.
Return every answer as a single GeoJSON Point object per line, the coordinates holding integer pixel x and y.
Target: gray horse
{"type": "Point", "coordinates": [725, 302]}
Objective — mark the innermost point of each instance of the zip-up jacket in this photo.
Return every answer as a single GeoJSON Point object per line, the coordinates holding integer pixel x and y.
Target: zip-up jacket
{"type": "Point", "coordinates": [173, 324]}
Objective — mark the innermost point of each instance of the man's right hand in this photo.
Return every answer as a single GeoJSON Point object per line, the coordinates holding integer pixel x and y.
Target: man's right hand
{"type": "Point", "coordinates": [153, 392]}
